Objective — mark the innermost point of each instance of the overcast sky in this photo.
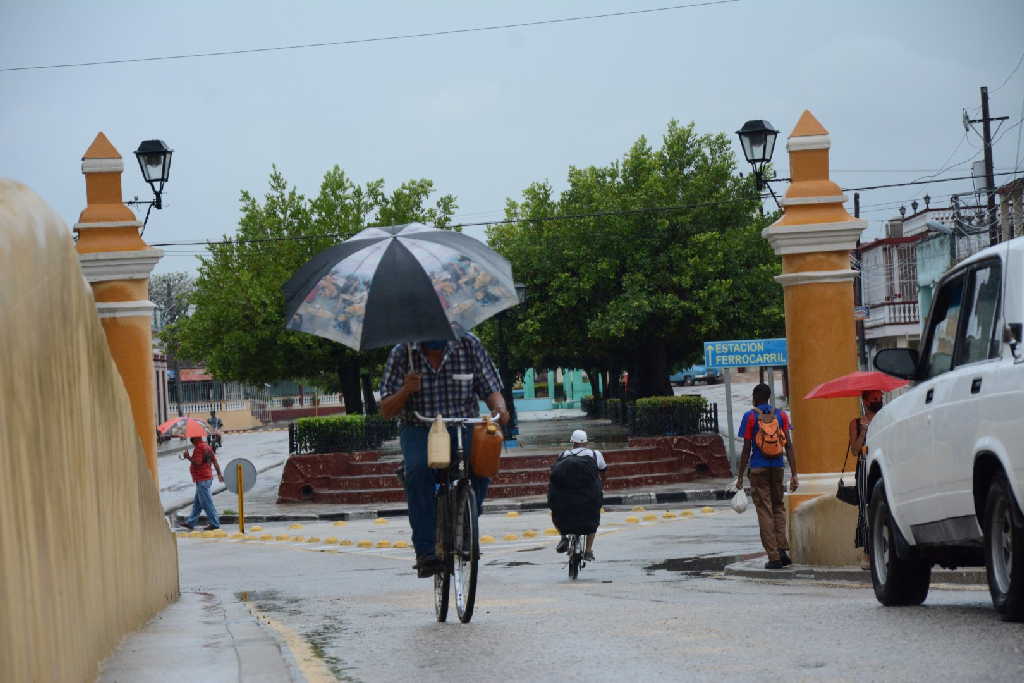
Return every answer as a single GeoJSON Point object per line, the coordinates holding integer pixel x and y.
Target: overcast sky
{"type": "Point", "coordinates": [484, 114]}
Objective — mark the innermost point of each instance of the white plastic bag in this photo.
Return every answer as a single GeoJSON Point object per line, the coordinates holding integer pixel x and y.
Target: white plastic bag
{"type": "Point", "coordinates": [739, 502]}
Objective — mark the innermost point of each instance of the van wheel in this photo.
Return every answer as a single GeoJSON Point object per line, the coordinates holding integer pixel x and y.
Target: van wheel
{"type": "Point", "coordinates": [1004, 551]}
{"type": "Point", "coordinates": [897, 580]}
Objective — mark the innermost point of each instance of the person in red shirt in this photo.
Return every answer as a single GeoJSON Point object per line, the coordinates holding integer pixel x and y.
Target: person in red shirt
{"type": "Point", "coordinates": [202, 462]}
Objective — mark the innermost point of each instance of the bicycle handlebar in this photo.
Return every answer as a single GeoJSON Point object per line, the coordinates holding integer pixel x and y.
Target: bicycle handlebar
{"type": "Point", "coordinates": [463, 420]}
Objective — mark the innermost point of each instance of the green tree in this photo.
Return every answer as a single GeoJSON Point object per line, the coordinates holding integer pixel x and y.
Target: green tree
{"type": "Point", "coordinates": [641, 291]}
{"type": "Point", "coordinates": [237, 326]}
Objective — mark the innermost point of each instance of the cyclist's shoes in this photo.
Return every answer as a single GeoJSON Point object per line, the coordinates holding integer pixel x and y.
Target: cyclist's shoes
{"type": "Point", "coordinates": [563, 545]}
{"type": "Point", "coordinates": [426, 566]}
{"type": "Point", "coordinates": [784, 558]}
{"type": "Point", "coordinates": [588, 556]}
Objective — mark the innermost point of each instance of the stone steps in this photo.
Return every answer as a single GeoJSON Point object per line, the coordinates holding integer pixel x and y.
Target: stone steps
{"type": "Point", "coordinates": [364, 478]}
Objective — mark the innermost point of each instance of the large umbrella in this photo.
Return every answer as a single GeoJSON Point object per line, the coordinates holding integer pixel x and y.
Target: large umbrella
{"type": "Point", "coordinates": [397, 284]}
{"type": "Point", "coordinates": [183, 427]}
{"type": "Point", "coordinates": [855, 383]}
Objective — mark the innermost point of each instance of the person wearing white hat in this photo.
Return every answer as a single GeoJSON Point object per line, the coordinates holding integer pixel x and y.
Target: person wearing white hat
{"type": "Point", "coordinates": [578, 446]}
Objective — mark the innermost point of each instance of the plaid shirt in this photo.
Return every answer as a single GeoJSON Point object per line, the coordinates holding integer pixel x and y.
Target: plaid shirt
{"type": "Point", "coordinates": [466, 375]}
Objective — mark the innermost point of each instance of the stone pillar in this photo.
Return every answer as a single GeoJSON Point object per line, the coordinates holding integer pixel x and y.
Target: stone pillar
{"type": "Point", "coordinates": [117, 263]}
{"type": "Point", "coordinates": [814, 237]}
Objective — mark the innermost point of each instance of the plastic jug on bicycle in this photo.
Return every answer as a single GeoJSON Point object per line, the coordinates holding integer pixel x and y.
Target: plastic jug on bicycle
{"type": "Point", "coordinates": [442, 377]}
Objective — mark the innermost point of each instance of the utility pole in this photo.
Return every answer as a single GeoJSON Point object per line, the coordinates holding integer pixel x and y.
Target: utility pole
{"type": "Point", "coordinates": [990, 182]}
{"type": "Point", "coordinates": [858, 292]}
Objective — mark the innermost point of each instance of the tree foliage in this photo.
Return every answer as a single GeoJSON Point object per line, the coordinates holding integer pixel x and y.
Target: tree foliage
{"type": "Point", "coordinates": [237, 327]}
{"type": "Point", "coordinates": [642, 291]}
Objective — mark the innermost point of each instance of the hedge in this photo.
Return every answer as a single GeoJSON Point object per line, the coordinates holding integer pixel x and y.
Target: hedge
{"type": "Point", "coordinates": [669, 415]}
{"type": "Point", "coordinates": [340, 433]}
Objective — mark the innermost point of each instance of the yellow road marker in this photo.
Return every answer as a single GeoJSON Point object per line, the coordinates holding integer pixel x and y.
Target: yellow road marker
{"type": "Point", "coordinates": [267, 537]}
{"type": "Point", "coordinates": [344, 541]}
{"type": "Point", "coordinates": [312, 539]}
{"type": "Point", "coordinates": [632, 520]}
{"type": "Point", "coordinates": [639, 508]}
{"type": "Point", "coordinates": [487, 539]}
{"type": "Point", "coordinates": [669, 515]}
{"type": "Point", "coordinates": [312, 667]}
{"type": "Point", "coordinates": [511, 537]}
{"type": "Point", "coordinates": [299, 539]}
{"type": "Point", "coordinates": [256, 528]}
{"type": "Point", "coordinates": [331, 540]}
{"type": "Point", "coordinates": [401, 544]}
{"type": "Point", "coordinates": [380, 520]}
{"type": "Point", "coordinates": [340, 523]}
{"type": "Point", "coordinates": [220, 533]}
{"type": "Point", "coordinates": [383, 544]}
{"type": "Point", "coordinates": [551, 532]}
{"type": "Point", "coordinates": [529, 533]}
{"type": "Point", "coordinates": [707, 510]}
{"type": "Point", "coordinates": [686, 513]}
{"type": "Point", "coordinates": [295, 526]}
{"type": "Point", "coordinates": [206, 534]}
{"type": "Point", "coordinates": [238, 535]}
{"type": "Point", "coordinates": [511, 513]}
{"type": "Point", "coordinates": [365, 544]}
{"type": "Point", "coordinates": [650, 518]}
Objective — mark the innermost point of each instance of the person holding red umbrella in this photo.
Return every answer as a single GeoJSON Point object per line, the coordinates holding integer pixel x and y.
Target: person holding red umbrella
{"type": "Point", "coordinates": [202, 461]}
{"type": "Point", "coordinates": [872, 400]}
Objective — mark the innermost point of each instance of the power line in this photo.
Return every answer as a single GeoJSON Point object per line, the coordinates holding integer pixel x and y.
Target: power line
{"type": "Point", "coordinates": [1007, 79]}
{"type": "Point", "coordinates": [378, 39]}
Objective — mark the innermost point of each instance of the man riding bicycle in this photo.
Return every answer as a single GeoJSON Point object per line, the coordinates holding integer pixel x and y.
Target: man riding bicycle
{"type": "Point", "coordinates": [445, 378]}
{"type": "Point", "coordinates": [585, 493]}
{"type": "Point", "coordinates": [216, 425]}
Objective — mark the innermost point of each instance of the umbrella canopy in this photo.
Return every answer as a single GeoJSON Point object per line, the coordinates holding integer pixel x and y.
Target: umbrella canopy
{"type": "Point", "coordinates": [400, 283]}
{"type": "Point", "coordinates": [855, 383]}
{"type": "Point", "coordinates": [183, 427]}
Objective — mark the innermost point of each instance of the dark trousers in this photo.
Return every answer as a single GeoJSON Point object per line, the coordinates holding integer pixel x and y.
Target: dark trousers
{"type": "Point", "coordinates": [769, 501]}
{"type": "Point", "coordinates": [421, 481]}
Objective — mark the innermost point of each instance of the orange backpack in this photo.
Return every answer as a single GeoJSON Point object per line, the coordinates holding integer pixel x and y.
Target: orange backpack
{"type": "Point", "coordinates": [770, 439]}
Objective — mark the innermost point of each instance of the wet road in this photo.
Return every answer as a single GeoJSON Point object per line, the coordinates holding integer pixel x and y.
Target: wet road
{"type": "Point", "coordinates": [359, 614]}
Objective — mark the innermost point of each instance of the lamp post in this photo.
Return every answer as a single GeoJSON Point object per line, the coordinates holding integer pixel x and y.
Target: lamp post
{"type": "Point", "coordinates": [154, 158]}
{"type": "Point", "coordinates": [506, 374]}
{"type": "Point", "coordinates": [757, 137]}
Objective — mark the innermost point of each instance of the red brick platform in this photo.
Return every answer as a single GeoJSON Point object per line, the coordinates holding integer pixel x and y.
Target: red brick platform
{"type": "Point", "coordinates": [368, 477]}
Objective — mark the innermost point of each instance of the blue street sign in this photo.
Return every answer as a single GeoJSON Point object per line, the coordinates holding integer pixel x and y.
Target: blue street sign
{"type": "Point", "coordinates": [745, 353]}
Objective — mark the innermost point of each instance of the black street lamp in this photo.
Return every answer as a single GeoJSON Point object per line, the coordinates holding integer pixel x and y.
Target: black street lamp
{"type": "Point", "coordinates": [512, 430]}
{"type": "Point", "coordinates": [757, 138]}
{"type": "Point", "coordinates": [155, 163]}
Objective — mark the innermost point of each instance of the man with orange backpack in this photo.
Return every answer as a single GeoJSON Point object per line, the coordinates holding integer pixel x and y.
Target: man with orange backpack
{"type": "Point", "coordinates": [766, 438]}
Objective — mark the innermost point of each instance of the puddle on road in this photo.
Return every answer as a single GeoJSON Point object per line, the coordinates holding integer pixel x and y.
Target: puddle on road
{"type": "Point", "coordinates": [319, 640]}
{"type": "Point", "coordinates": [701, 565]}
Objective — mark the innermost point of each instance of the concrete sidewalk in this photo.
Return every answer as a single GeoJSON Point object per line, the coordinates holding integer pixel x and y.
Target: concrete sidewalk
{"type": "Point", "coordinates": [201, 638]}
{"type": "Point", "coordinates": [261, 502]}
{"type": "Point", "coordinates": [754, 569]}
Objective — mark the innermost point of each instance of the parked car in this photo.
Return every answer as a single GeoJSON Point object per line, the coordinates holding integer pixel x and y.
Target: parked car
{"type": "Point", "coordinates": [694, 374]}
{"type": "Point", "coordinates": [945, 464]}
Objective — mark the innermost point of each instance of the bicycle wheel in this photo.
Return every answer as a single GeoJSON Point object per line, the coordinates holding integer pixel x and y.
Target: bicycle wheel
{"type": "Point", "coordinates": [465, 552]}
{"type": "Point", "coordinates": [575, 555]}
{"type": "Point", "coordinates": [442, 579]}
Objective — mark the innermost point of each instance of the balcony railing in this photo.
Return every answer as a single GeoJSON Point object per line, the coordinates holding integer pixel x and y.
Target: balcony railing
{"type": "Point", "coordinates": [893, 313]}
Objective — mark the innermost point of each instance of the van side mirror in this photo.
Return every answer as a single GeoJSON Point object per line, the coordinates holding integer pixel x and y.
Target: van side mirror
{"type": "Point", "coordinates": [1012, 334]}
{"type": "Point", "coordinates": [900, 363]}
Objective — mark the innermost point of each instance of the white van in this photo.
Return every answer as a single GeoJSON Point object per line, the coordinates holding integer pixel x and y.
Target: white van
{"type": "Point", "coordinates": [945, 464]}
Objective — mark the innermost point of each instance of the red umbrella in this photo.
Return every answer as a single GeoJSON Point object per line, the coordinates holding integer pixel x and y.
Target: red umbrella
{"type": "Point", "coordinates": [855, 383]}
{"type": "Point", "coordinates": [184, 427]}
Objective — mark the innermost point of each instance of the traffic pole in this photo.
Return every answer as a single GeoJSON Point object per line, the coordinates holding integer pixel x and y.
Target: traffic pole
{"type": "Point", "coordinates": [241, 497]}
{"type": "Point", "coordinates": [728, 414]}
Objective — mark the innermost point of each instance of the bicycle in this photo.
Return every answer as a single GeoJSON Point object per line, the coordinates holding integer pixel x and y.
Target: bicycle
{"type": "Point", "coordinates": [577, 543]}
{"type": "Point", "coordinates": [457, 536]}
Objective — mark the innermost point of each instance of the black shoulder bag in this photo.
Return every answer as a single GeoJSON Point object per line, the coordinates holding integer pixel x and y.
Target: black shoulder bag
{"type": "Point", "coordinates": [848, 494]}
